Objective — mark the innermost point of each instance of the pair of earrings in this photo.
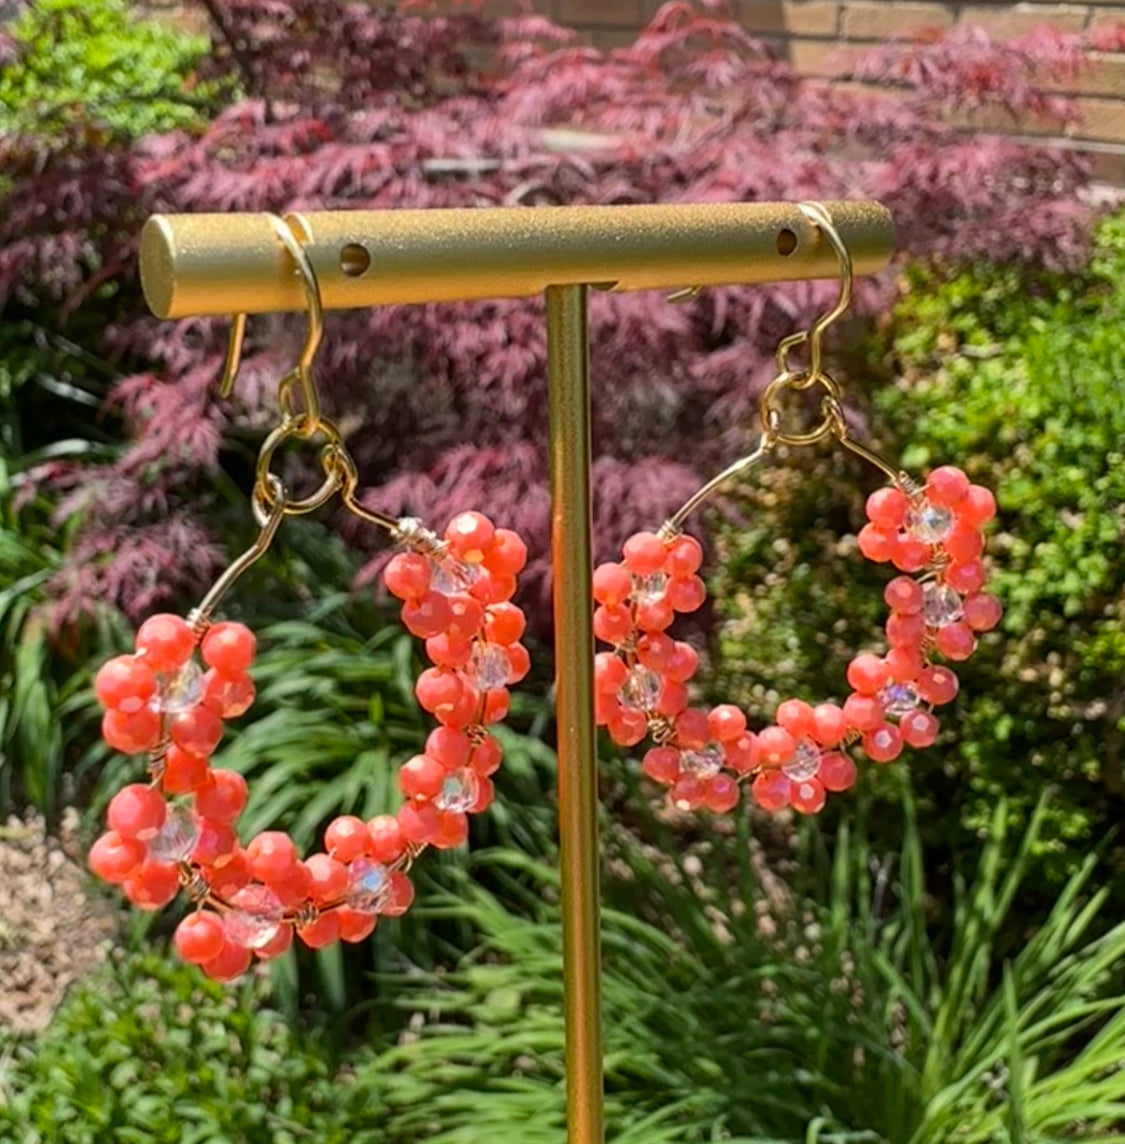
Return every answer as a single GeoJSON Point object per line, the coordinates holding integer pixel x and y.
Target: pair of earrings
{"type": "Point", "coordinates": [177, 830]}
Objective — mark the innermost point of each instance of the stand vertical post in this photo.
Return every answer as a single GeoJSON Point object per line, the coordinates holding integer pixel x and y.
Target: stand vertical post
{"type": "Point", "coordinates": [572, 562]}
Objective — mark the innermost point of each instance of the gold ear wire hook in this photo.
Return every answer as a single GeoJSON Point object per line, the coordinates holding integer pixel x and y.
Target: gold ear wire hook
{"type": "Point", "coordinates": [302, 372]}
{"type": "Point", "coordinates": [814, 335]}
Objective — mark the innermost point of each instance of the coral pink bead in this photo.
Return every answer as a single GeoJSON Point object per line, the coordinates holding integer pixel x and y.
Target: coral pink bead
{"type": "Point", "coordinates": [627, 728]}
{"type": "Point", "coordinates": [486, 795]}
{"type": "Point", "coordinates": [470, 536]}
{"type": "Point", "coordinates": [508, 553]}
{"type": "Point", "coordinates": [886, 508]}
{"type": "Point", "coordinates": [223, 797]}
{"type": "Point", "coordinates": [606, 707]}
{"type": "Point", "coordinates": [407, 575]}
{"type": "Point", "coordinates": [227, 695]}
{"type": "Point", "coordinates": [863, 712]}
{"type": "Point", "coordinates": [656, 651]}
{"type": "Point", "coordinates": [486, 757]}
{"type": "Point", "coordinates": [505, 624]}
{"type": "Point", "coordinates": [323, 932]}
{"type": "Point", "coordinates": [387, 842]}
{"type": "Point", "coordinates": [910, 554]}
{"type": "Point", "coordinates": [612, 584]}
{"type": "Point", "coordinates": [183, 773]}
{"type": "Point", "coordinates": [796, 716]}
{"type": "Point", "coordinates": [655, 615]}
{"type": "Point", "coordinates": [124, 684]}
{"type": "Point", "coordinates": [683, 556]}
{"type": "Point", "coordinates": [277, 945]}
{"type": "Point", "coordinates": [419, 821]}
{"type": "Point", "coordinates": [686, 595]}
{"type": "Point", "coordinates": [229, 877]}
{"type": "Point", "coordinates": [883, 743]}
{"type": "Point", "coordinates": [807, 796]}
{"type": "Point", "coordinates": [771, 790]}
{"type": "Point", "coordinates": [956, 641]}
{"type": "Point", "coordinates": [293, 890]}
{"type": "Point", "coordinates": [454, 831]}
{"type": "Point", "coordinates": [152, 885]}
{"type": "Point", "coordinates": [113, 858]}
{"type": "Point", "coordinates": [918, 728]}
{"type": "Point", "coordinates": [775, 746]}
{"type": "Point", "coordinates": [662, 765]}
{"type": "Point", "coordinates": [672, 700]}
{"type": "Point", "coordinates": [837, 772]}
{"type": "Point", "coordinates": [497, 701]}
{"type": "Point", "coordinates": [613, 623]}
{"type": "Point", "coordinates": [214, 841]}
{"type": "Point", "coordinates": [829, 724]}
{"type": "Point", "coordinates": [346, 838]}
{"type": "Point", "coordinates": [328, 879]}
{"type": "Point", "coordinates": [684, 663]}
{"type": "Point", "coordinates": [964, 544]}
{"type": "Point", "coordinates": [688, 793]}
{"type": "Point", "coordinates": [492, 588]}
{"type": "Point", "coordinates": [355, 925]}
{"type": "Point", "coordinates": [228, 648]}
{"type": "Point", "coordinates": [166, 641]}
{"type": "Point", "coordinates": [868, 674]}
{"type": "Point", "coordinates": [876, 543]}
{"type": "Point", "coordinates": [400, 895]}
{"type": "Point", "coordinates": [743, 754]}
{"type": "Point", "coordinates": [232, 961]}
{"type": "Point", "coordinates": [609, 672]}
{"type": "Point", "coordinates": [199, 937]}
{"type": "Point", "coordinates": [427, 616]}
{"type": "Point", "coordinates": [693, 728]}
{"type": "Point", "coordinates": [465, 711]}
{"type": "Point", "coordinates": [421, 777]}
{"type": "Point", "coordinates": [447, 652]}
{"type": "Point", "coordinates": [905, 663]}
{"type": "Point", "coordinates": [131, 733]}
{"type": "Point", "coordinates": [438, 690]}
{"type": "Point", "coordinates": [137, 811]}
{"type": "Point", "coordinates": [978, 507]}
{"type": "Point", "coordinates": [904, 594]}
{"type": "Point", "coordinates": [644, 553]}
{"type": "Point", "coordinates": [947, 486]}
{"type": "Point", "coordinates": [466, 617]}
{"type": "Point", "coordinates": [905, 631]}
{"type": "Point", "coordinates": [272, 856]}
{"type": "Point", "coordinates": [450, 746]}
{"type": "Point", "coordinates": [721, 794]}
{"type": "Point", "coordinates": [197, 730]}
{"type": "Point", "coordinates": [726, 723]}
{"type": "Point", "coordinates": [982, 612]}
{"type": "Point", "coordinates": [965, 578]}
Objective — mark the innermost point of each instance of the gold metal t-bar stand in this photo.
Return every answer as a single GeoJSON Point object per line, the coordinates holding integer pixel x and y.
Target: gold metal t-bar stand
{"type": "Point", "coordinates": [217, 264]}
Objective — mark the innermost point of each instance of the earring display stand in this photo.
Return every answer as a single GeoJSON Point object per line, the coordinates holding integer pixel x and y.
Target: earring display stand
{"type": "Point", "coordinates": [210, 264]}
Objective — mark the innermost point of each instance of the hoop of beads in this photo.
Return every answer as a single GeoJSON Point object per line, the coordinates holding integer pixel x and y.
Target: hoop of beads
{"type": "Point", "coordinates": [931, 534]}
{"type": "Point", "coordinates": [178, 829]}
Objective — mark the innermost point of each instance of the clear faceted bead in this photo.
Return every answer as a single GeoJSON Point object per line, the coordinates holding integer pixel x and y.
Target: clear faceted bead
{"type": "Point", "coordinates": [489, 667]}
{"type": "Point", "coordinates": [703, 762]}
{"type": "Point", "coordinates": [175, 840]}
{"type": "Point", "coordinates": [649, 589]}
{"type": "Point", "coordinates": [255, 919]}
{"type": "Point", "coordinates": [940, 605]}
{"type": "Point", "coordinates": [805, 762]}
{"type": "Point", "coordinates": [929, 522]}
{"type": "Point", "coordinates": [459, 790]}
{"type": "Point", "coordinates": [368, 883]}
{"type": "Point", "coordinates": [453, 577]}
{"type": "Point", "coordinates": [179, 692]}
{"type": "Point", "coordinates": [640, 690]}
{"type": "Point", "coordinates": [898, 699]}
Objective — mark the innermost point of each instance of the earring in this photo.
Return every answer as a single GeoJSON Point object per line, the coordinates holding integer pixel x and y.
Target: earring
{"type": "Point", "coordinates": [930, 531]}
{"type": "Point", "coordinates": [177, 830]}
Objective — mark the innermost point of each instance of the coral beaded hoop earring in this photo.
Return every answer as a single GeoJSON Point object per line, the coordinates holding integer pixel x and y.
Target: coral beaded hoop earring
{"type": "Point", "coordinates": [930, 531]}
{"type": "Point", "coordinates": [177, 830]}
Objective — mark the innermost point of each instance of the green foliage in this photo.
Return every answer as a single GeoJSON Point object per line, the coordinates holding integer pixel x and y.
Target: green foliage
{"type": "Point", "coordinates": [1017, 380]}
{"type": "Point", "coordinates": [94, 60]}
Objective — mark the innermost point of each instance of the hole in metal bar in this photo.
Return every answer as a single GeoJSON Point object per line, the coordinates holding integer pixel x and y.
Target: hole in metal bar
{"type": "Point", "coordinates": [786, 242]}
{"type": "Point", "coordinates": [354, 260]}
